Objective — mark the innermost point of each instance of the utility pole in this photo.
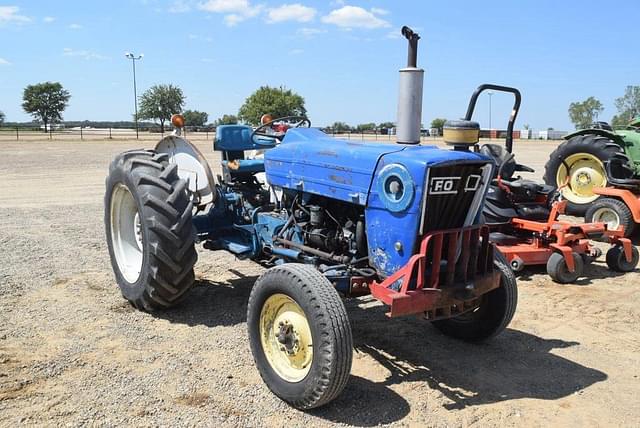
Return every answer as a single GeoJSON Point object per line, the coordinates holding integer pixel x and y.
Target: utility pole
{"type": "Point", "coordinates": [133, 59]}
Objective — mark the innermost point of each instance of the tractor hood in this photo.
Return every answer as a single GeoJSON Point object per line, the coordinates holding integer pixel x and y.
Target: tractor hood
{"type": "Point", "coordinates": [311, 161]}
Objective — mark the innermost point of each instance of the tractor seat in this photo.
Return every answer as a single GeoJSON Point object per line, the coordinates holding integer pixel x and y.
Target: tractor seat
{"type": "Point", "coordinates": [528, 187]}
{"type": "Point", "coordinates": [535, 212]}
{"type": "Point", "coordinates": [244, 166]}
{"type": "Point", "coordinates": [500, 238]}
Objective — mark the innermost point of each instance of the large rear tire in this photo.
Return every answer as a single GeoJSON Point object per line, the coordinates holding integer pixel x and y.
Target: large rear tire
{"type": "Point", "coordinates": [493, 314]}
{"type": "Point", "coordinates": [582, 159]}
{"type": "Point", "coordinates": [148, 220]}
{"type": "Point", "coordinates": [300, 335]}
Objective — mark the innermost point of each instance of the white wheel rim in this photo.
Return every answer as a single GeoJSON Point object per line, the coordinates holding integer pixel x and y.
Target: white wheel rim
{"type": "Point", "coordinates": [607, 216]}
{"type": "Point", "coordinates": [126, 233]}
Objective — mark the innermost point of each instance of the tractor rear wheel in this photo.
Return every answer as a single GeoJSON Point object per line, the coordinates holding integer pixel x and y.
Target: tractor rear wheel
{"type": "Point", "coordinates": [613, 212]}
{"type": "Point", "coordinates": [300, 335]}
{"type": "Point", "coordinates": [148, 220]}
{"type": "Point", "coordinates": [580, 164]}
{"type": "Point", "coordinates": [493, 314]}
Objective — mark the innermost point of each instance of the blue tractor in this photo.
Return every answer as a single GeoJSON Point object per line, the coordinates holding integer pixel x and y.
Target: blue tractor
{"type": "Point", "coordinates": [330, 219]}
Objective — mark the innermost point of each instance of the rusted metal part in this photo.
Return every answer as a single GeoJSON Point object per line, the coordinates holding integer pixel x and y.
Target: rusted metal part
{"type": "Point", "coordinates": [452, 267]}
{"type": "Point", "coordinates": [314, 251]}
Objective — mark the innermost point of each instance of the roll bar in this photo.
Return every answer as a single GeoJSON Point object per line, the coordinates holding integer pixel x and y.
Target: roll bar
{"type": "Point", "coordinates": [514, 113]}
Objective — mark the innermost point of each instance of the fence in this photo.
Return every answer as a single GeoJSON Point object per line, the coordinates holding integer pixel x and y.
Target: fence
{"type": "Point", "coordinates": [81, 133]}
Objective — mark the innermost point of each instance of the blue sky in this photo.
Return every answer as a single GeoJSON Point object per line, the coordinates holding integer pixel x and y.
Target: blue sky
{"type": "Point", "coordinates": [342, 56]}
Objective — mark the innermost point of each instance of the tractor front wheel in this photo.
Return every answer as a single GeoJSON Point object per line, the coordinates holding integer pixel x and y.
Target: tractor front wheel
{"type": "Point", "coordinates": [613, 212]}
{"type": "Point", "coordinates": [300, 335]}
{"type": "Point", "coordinates": [147, 218]}
{"type": "Point", "coordinates": [616, 260]}
{"type": "Point", "coordinates": [493, 314]}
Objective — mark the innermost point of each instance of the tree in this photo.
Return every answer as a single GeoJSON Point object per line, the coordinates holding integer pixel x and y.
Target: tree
{"type": "Point", "coordinates": [386, 125]}
{"type": "Point", "coordinates": [340, 127]}
{"type": "Point", "coordinates": [45, 102]}
{"type": "Point", "coordinates": [628, 106]}
{"type": "Point", "coordinates": [1, 118]}
{"type": "Point", "coordinates": [226, 119]}
{"type": "Point", "coordinates": [195, 117]}
{"type": "Point", "coordinates": [438, 123]}
{"type": "Point", "coordinates": [159, 102]}
{"type": "Point", "coordinates": [363, 127]}
{"type": "Point", "coordinates": [278, 102]}
{"type": "Point", "coordinates": [584, 113]}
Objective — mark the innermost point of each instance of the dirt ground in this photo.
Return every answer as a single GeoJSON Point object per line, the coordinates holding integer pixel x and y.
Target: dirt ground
{"type": "Point", "coordinates": [73, 352]}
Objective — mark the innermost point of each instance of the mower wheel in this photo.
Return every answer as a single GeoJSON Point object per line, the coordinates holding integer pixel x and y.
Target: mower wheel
{"type": "Point", "coordinates": [493, 314]}
{"type": "Point", "coordinates": [300, 335]}
{"type": "Point", "coordinates": [613, 212]}
{"type": "Point", "coordinates": [617, 261]}
{"type": "Point", "coordinates": [147, 218]}
{"type": "Point", "coordinates": [559, 271]}
{"type": "Point", "coordinates": [580, 161]}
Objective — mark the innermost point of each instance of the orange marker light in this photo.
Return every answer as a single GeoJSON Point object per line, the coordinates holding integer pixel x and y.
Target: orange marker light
{"type": "Point", "coordinates": [177, 120]}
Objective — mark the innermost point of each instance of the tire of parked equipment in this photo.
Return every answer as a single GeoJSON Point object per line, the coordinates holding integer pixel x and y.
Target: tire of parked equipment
{"type": "Point", "coordinates": [584, 156]}
{"type": "Point", "coordinates": [148, 220]}
{"type": "Point", "coordinates": [613, 212]}
{"type": "Point", "coordinates": [617, 261]}
{"type": "Point", "coordinates": [559, 271]}
{"type": "Point", "coordinates": [300, 335]}
{"type": "Point", "coordinates": [493, 314]}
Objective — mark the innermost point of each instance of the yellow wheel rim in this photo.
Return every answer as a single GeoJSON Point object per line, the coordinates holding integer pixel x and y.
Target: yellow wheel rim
{"type": "Point", "coordinates": [585, 171]}
{"type": "Point", "coordinates": [286, 337]}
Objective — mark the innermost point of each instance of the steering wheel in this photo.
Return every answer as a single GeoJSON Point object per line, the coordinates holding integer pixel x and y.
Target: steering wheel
{"type": "Point", "coordinates": [261, 131]}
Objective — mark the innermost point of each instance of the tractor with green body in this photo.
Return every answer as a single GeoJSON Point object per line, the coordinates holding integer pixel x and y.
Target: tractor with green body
{"type": "Point", "coordinates": [598, 170]}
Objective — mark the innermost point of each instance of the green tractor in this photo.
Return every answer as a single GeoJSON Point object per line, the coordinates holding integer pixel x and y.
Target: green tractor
{"type": "Point", "coordinates": [595, 158]}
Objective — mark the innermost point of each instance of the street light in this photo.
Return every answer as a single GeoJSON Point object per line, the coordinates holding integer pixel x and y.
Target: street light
{"type": "Point", "coordinates": [133, 59]}
{"type": "Point", "coordinates": [490, 93]}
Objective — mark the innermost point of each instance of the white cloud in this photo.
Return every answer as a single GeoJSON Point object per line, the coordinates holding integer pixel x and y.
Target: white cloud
{"type": "Point", "coordinates": [179, 6]}
{"type": "Point", "coordinates": [75, 27]}
{"type": "Point", "coordinates": [354, 17]}
{"type": "Point", "coordinates": [236, 10]}
{"type": "Point", "coordinates": [192, 36]}
{"type": "Point", "coordinates": [48, 19]}
{"type": "Point", "coordinates": [296, 51]}
{"type": "Point", "coordinates": [84, 54]}
{"type": "Point", "coordinates": [379, 11]}
{"type": "Point", "coordinates": [291, 12]}
{"type": "Point", "coordinates": [10, 15]}
{"type": "Point", "coordinates": [4, 62]}
{"type": "Point", "coordinates": [395, 34]}
{"type": "Point", "coordinates": [310, 32]}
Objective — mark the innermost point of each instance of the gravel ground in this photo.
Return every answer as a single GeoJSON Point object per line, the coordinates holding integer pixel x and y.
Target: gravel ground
{"type": "Point", "coordinates": [73, 352]}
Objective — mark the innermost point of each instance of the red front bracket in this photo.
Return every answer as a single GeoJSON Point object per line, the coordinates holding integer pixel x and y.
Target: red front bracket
{"type": "Point", "coordinates": [451, 268]}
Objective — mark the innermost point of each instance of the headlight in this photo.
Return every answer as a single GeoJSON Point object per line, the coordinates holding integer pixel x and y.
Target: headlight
{"type": "Point", "coordinates": [395, 187]}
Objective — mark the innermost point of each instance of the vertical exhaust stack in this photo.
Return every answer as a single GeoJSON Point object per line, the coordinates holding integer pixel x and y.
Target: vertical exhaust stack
{"type": "Point", "coordinates": [410, 95]}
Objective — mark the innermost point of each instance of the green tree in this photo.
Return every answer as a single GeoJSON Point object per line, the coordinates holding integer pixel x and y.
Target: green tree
{"type": "Point", "coordinates": [1, 118]}
{"type": "Point", "coordinates": [278, 102]}
{"type": "Point", "coordinates": [438, 123]}
{"type": "Point", "coordinates": [386, 125]}
{"type": "Point", "coordinates": [628, 106]}
{"type": "Point", "coordinates": [195, 117]}
{"type": "Point", "coordinates": [159, 102]}
{"type": "Point", "coordinates": [45, 102]}
{"type": "Point", "coordinates": [364, 127]}
{"type": "Point", "coordinates": [340, 127]}
{"type": "Point", "coordinates": [583, 114]}
{"type": "Point", "coordinates": [226, 119]}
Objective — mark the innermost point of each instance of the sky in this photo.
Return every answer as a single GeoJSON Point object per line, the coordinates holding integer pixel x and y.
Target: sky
{"type": "Point", "coordinates": [341, 56]}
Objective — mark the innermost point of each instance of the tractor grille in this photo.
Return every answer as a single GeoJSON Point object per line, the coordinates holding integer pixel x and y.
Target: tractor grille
{"type": "Point", "coordinates": [450, 194]}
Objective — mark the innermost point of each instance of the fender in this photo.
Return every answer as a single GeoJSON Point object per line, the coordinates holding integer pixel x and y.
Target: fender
{"type": "Point", "coordinates": [600, 132]}
{"type": "Point", "coordinates": [629, 198]}
{"type": "Point", "coordinates": [192, 167]}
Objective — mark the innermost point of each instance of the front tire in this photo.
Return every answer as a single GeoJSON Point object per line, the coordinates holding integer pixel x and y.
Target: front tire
{"type": "Point", "coordinates": [582, 160]}
{"type": "Point", "coordinates": [494, 313]}
{"type": "Point", "coordinates": [300, 335]}
{"type": "Point", "coordinates": [616, 260]}
{"type": "Point", "coordinates": [613, 212]}
{"type": "Point", "coordinates": [148, 220]}
{"type": "Point", "coordinates": [559, 271]}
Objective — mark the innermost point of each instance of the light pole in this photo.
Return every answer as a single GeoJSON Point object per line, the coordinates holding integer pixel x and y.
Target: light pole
{"type": "Point", "coordinates": [490, 93]}
{"type": "Point", "coordinates": [133, 59]}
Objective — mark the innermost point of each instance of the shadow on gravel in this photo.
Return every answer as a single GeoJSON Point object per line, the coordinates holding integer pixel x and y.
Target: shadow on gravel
{"type": "Point", "coordinates": [513, 365]}
{"type": "Point", "coordinates": [213, 303]}
{"type": "Point", "coordinates": [364, 403]}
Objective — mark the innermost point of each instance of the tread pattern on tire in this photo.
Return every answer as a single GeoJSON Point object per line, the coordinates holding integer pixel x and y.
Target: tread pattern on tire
{"type": "Point", "coordinates": [623, 211]}
{"type": "Point", "coordinates": [167, 214]}
{"type": "Point", "coordinates": [597, 145]}
{"type": "Point", "coordinates": [330, 314]}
